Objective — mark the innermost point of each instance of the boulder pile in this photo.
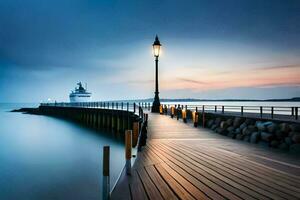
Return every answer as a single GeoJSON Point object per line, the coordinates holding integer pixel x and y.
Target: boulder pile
{"type": "Point", "coordinates": [285, 136]}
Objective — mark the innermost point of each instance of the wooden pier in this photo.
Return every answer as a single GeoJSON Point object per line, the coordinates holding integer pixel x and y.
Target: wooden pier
{"type": "Point", "coordinates": [183, 162]}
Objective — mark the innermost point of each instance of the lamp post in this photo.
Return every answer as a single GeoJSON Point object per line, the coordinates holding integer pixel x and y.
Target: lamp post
{"type": "Point", "coordinates": [156, 50]}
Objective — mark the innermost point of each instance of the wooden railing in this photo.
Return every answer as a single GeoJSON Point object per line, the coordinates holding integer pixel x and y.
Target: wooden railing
{"type": "Point", "coordinates": [137, 108]}
{"type": "Point", "coordinates": [268, 112]}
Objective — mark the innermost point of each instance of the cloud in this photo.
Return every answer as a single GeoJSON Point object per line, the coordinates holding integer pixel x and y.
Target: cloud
{"type": "Point", "coordinates": [192, 81]}
{"type": "Point", "coordinates": [279, 67]}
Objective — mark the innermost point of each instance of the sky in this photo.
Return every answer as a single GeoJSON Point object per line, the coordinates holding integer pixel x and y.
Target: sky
{"type": "Point", "coordinates": [210, 49]}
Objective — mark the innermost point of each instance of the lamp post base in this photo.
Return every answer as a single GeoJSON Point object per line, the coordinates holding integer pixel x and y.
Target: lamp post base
{"type": "Point", "coordinates": [155, 105]}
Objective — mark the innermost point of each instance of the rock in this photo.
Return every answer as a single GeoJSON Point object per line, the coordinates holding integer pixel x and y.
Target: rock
{"type": "Point", "coordinates": [232, 135]}
{"type": "Point", "coordinates": [272, 128]}
{"type": "Point", "coordinates": [238, 131]}
{"type": "Point", "coordinates": [274, 143]}
{"type": "Point", "coordinates": [229, 122]}
{"type": "Point", "coordinates": [248, 130]}
{"type": "Point", "coordinates": [221, 131]}
{"type": "Point", "coordinates": [292, 133]}
{"type": "Point", "coordinates": [244, 131]}
{"type": "Point", "coordinates": [295, 127]}
{"type": "Point", "coordinates": [243, 125]}
{"type": "Point", "coordinates": [266, 136]}
{"type": "Point", "coordinates": [254, 137]}
{"type": "Point", "coordinates": [239, 137]}
{"type": "Point", "coordinates": [288, 140]}
{"type": "Point", "coordinates": [284, 127]}
{"type": "Point", "coordinates": [237, 122]}
{"type": "Point", "coordinates": [247, 138]}
{"type": "Point", "coordinates": [230, 129]}
{"type": "Point", "coordinates": [284, 146]}
{"type": "Point", "coordinates": [295, 148]}
{"type": "Point", "coordinates": [249, 121]}
{"type": "Point", "coordinates": [260, 126]}
{"type": "Point", "coordinates": [224, 125]}
{"type": "Point", "coordinates": [279, 134]}
{"type": "Point", "coordinates": [218, 121]}
{"type": "Point", "coordinates": [296, 138]}
{"type": "Point", "coordinates": [213, 127]}
{"type": "Point", "coordinates": [210, 123]}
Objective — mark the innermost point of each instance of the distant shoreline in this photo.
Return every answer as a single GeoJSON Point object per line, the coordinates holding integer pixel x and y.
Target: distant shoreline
{"type": "Point", "coordinates": [294, 99]}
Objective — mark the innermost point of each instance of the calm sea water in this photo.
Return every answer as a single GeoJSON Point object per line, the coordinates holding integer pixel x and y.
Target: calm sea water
{"type": "Point", "coordinates": [43, 157]}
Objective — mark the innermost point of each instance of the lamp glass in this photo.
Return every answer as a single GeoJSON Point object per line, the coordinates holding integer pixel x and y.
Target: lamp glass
{"type": "Point", "coordinates": [156, 50]}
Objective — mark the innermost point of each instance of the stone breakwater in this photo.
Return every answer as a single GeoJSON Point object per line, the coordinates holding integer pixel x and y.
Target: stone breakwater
{"type": "Point", "coordinates": [282, 135]}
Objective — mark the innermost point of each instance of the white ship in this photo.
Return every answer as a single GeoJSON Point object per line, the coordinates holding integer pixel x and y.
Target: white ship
{"type": "Point", "coordinates": [80, 94]}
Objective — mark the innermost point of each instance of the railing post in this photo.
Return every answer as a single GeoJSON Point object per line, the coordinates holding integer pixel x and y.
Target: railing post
{"type": "Point", "coordinates": [122, 104]}
{"type": "Point", "coordinates": [183, 113]}
{"type": "Point", "coordinates": [242, 110]}
{"type": "Point", "coordinates": [133, 107]}
{"type": "Point", "coordinates": [272, 112]}
{"type": "Point", "coordinates": [292, 111]}
{"type": "Point", "coordinates": [106, 181]}
{"type": "Point", "coordinates": [112, 105]}
{"type": "Point", "coordinates": [127, 106]}
{"type": "Point", "coordinates": [128, 148]}
{"type": "Point", "coordinates": [172, 111]}
{"type": "Point", "coordinates": [261, 111]}
{"type": "Point", "coordinates": [196, 117]}
{"type": "Point", "coordinates": [135, 133]}
{"type": "Point", "coordinates": [216, 108]}
{"type": "Point", "coordinates": [296, 113]}
{"type": "Point", "coordinates": [196, 109]}
{"type": "Point", "coordinates": [223, 109]}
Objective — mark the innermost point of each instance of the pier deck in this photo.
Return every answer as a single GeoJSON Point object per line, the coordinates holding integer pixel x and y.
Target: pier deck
{"type": "Point", "coordinates": [183, 162]}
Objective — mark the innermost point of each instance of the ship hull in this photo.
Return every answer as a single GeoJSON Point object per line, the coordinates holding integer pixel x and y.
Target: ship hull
{"type": "Point", "coordinates": [80, 98]}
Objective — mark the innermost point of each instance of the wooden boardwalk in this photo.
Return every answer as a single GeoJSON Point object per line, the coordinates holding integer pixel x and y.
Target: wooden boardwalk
{"type": "Point", "coordinates": [183, 162]}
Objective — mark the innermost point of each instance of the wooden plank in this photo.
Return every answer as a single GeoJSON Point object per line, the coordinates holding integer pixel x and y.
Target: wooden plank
{"type": "Point", "coordinates": [219, 180]}
{"type": "Point", "coordinates": [150, 188]}
{"type": "Point", "coordinates": [173, 184]}
{"type": "Point", "coordinates": [164, 189]}
{"type": "Point", "coordinates": [259, 171]}
{"type": "Point", "coordinates": [211, 189]}
{"type": "Point", "coordinates": [280, 175]}
{"type": "Point", "coordinates": [268, 186]}
{"type": "Point", "coordinates": [250, 183]}
{"type": "Point", "coordinates": [185, 182]}
{"type": "Point", "coordinates": [136, 187]}
{"type": "Point", "coordinates": [219, 174]}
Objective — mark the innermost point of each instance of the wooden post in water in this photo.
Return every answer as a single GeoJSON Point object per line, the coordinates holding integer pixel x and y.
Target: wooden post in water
{"type": "Point", "coordinates": [242, 110]}
{"type": "Point", "coordinates": [133, 107]}
{"type": "Point", "coordinates": [223, 109]}
{"type": "Point", "coordinates": [128, 148]}
{"type": "Point", "coordinates": [106, 181]}
{"type": "Point", "coordinates": [203, 117]}
{"type": "Point", "coordinates": [135, 133]}
{"type": "Point", "coordinates": [272, 112]}
{"type": "Point", "coordinates": [215, 108]}
{"type": "Point", "coordinates": [261, 111]}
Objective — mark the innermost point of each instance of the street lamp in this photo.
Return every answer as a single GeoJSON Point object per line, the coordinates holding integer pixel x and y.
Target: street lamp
{"type": "Point", "coordinates": [156, 50]}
